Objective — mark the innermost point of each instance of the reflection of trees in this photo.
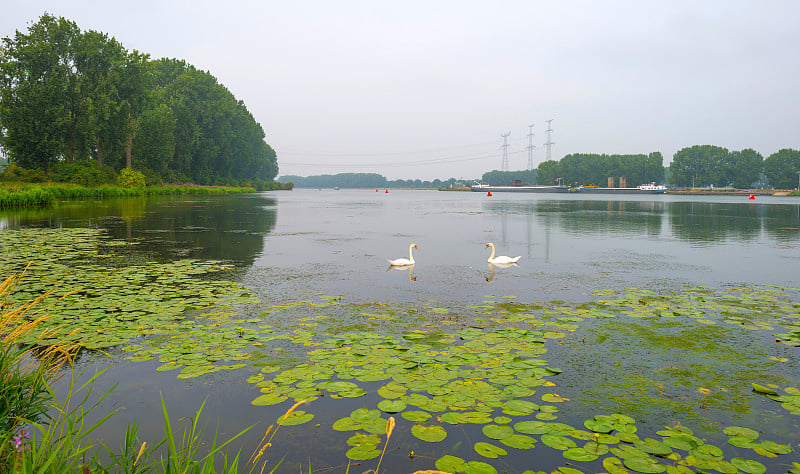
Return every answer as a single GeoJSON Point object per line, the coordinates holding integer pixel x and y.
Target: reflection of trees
{"type": "Point", "coordinates": [605, 217]}
{"type": "Point", "coordinates": [690, 221]}
{"type": "Point", "coordinates": [782, 222]}
{"type": "Point", "coordinates": [218, 227]}
{"type": "Point", "coordinates": [204, 227]}
{"type": "Point", "coordinates": [713, 221]}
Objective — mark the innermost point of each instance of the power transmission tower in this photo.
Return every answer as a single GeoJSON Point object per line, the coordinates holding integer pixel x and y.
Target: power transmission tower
{"type": "Point", "coordinates": [530, 147]}
{"type": "Point", "coordinates": [504, 166]}
{"type": "Point", "coordinates": [549, 143]}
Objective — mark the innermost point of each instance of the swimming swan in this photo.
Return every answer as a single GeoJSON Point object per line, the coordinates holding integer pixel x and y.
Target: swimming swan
{"type": "Point", "coordinates": [405, 261]}
{"type": "Point", "coordinates": [502, 258]}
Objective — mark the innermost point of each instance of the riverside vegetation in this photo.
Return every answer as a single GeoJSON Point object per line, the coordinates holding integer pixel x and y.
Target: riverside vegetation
{"type": "Point", "coordinates": [463, 389]}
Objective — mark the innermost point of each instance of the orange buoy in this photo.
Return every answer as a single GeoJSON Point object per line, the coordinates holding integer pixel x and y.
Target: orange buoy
{"type": "Point", "coordinates": [752, 196]}
{"type": "Point", "coordinates": [489, 193]}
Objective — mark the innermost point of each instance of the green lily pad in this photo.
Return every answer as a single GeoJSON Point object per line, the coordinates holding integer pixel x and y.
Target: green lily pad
{"type": "Point", "coordinates": [478, 467]}
{"type": "Point", "coordinates": [392, 406]}
{"type": "Point", "coordinates": [533, 427]}
{"type": "Point", "coordinates": [644, 464]}
{"type": "Point", "coordinates": [763, 390]}
{"type": "Point", "coordinates": [741, 432]}
{"type": "Point", "coordinates": [362, 453]}
{"type": "Point", "coordinates": [497, 432]}
{"type": "Point", "coordinates": [297, 417]}
{"type": "Point", "coordinates": [748, 466]}
{"type": "Point", "coordinates": [519, 441]}
{"type": "Point", "coordinates": [448, 463]}
{"type": "Point", "coordinates": [169, 366]}
{"type": "Point", "coordinates": [740, 442]}
{"type": "Point", "coordinates": [598, 427]}
{"type": "Point", "coordinates": [519, 407]}
{"type": "Point", "coordinates": [652, 446]}
{"type": "Point", "coordinates": [361, 439]}
{"type": "Point", "coordinates": [269, 399]}
{"type": "Point", "coordinates": [579, 454]}
{"type": "Point", "coordinates": [431, 434]}
{"type": "Point", "coordinates": [489, 450]}
{"type": "Point", "coordinates": [558, 442]}
{"type": "Point", "coordinates": [416, 416]}
{"type": "Point", "coordinates": [776, 448]}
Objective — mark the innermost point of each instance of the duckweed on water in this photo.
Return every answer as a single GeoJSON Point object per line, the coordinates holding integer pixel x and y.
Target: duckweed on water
{"type": "Point", "coordinates": [445, 368]}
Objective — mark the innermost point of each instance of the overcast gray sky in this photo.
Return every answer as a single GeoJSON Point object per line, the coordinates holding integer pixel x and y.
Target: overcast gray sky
{"type": "Point", "coordinates": [423, 89]}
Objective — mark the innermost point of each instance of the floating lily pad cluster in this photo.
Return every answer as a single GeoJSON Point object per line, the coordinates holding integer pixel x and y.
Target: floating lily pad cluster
{"type": "Point", "coordinates": [100, 305]}
{"type": "Point", "coordinates": [790, 401]}
{"type": "Point", "coordinates": [410, 368]}
{"type": "Point", "coordinates": [614, 439]}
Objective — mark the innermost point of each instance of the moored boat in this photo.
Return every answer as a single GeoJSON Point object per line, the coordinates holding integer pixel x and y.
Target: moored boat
{"type": "Point", "coordinates": [650, 188]}
{"type": "Point", "coordinates": [519, 189]}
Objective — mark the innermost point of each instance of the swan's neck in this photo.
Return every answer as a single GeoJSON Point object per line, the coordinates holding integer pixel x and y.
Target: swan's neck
{"type": "Point", "coordinates": [491, 257]}
{"type": "Point", "coordinates": [410, 249]}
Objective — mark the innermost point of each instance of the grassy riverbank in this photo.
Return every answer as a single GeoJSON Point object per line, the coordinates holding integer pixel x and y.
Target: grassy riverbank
{"type": "Point", "coordinates": [39, 195]}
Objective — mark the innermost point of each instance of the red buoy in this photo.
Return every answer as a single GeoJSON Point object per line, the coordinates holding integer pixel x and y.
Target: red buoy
{"type": "Point", "coordinates": [387, 191]}
{"type": "Point", "coordinates": [752, 196]}
{"type": "Point", "coordinates": [376, 190]}
{"type": "Point", "coordinates": [489, 193]}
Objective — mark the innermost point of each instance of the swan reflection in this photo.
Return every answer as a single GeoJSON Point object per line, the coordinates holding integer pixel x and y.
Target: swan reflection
{"type": "Point", "coordinates": [403, 267]}
{"type": "Point", "coordinates": [490, 278]}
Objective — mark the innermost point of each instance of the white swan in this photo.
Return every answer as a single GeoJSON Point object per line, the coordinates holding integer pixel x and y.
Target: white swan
{"type": "Point", "coordinates": [502, 258]}
{"type": "Point", "coordinates": [405, 261]}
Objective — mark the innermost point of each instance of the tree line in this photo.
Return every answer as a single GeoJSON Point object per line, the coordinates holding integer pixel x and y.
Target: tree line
{"type": "Point", "coordinates": [695, 166]}
{"type": "Point", "coordinates": [363, 180]}
{"type": "Point", "coordinates": [707, 165]}
{"type": "Point", "coordinates": [72, 97]}
{"type": "Point", "coordinates": [595, 169]}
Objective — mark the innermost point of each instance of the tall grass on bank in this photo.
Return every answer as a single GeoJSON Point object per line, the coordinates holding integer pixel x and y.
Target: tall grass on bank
{"type": "Point", "coordinates": [47, 195]}
{"type": "Point", "coordinates": [42, 433]}
{"type": "Point", "coordinates": [25, 373]}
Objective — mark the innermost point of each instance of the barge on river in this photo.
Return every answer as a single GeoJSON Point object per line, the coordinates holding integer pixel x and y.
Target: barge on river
{"type": "Point", "coordinates": [651, 188]}
{"type": "Point", "coordinates": [483, 188]}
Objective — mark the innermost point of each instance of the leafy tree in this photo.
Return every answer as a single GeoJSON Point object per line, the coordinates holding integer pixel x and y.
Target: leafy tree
{"type": "Point", "coordinates": [344, 180]}
{"type": "Point", "coordinates": [743, 168]}
{"type": "Point", "coordinates": [548, 172]}
{"type": "Point", "coordinates": [155, 142]}
{"type": "Point", "coordinates": [37, 84]}
{"type": "Point", "coordinates": [782, 167]}
{"type": "Point", "coordinates": [506, 178]}
{"type": "Point", "coordinates": [129, 178]}
{"type": "Point", "coordinates": [67, 96]}
{"type": "Point", "coordinates": [700, 165]}
{"type": "Point", "coordinates": [595, 169]}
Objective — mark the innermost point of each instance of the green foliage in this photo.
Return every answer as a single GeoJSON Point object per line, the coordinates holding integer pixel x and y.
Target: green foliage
{"type": "Point", "coordinates": [15, 173]}
{"type": "Point", "coordinates": [506, 178]}
{"type": "Point", "coordinates": [84, 174]}
{"type": "Point", "coordinates": [129, 178]}
{"type": "Point", "coordinates": [26, 197]}
{"type": "Point", "coordinates": [743, 168]}
{"type": "Point", "coordinates": [23, 392]}
{"type": "Point", "coordinates": [344, 180]}
{"type": "Point", "coordinates": [364, 180]}
{"type": "Point", "coordinates": [782, 167]}
{"type": "Point", "coordinates": [596, 169]}
{"type": "Point", "coordinates": [75, 96]}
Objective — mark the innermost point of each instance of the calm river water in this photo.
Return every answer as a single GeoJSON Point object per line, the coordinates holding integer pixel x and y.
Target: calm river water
{"type": "Point", "coordinates": [289, 246]}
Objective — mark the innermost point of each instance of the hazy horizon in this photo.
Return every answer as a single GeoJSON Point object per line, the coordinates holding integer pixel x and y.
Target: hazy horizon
{"type": "Point", "coordinates": [425, 90]}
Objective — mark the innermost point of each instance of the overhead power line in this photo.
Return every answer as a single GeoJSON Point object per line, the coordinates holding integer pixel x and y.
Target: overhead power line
{"type": "Point", "coordinates": [434, 161]}
{"type": "Point", "coordinates": [382, 153]}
